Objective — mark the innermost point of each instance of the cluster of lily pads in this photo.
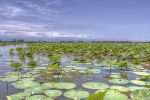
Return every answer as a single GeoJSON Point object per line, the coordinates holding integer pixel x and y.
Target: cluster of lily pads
{"type": "Point", "coordinates": [37, 83]}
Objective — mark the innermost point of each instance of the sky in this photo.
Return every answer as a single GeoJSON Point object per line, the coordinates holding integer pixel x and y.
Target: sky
{"type": "Point", "coordinates": [86, 20]}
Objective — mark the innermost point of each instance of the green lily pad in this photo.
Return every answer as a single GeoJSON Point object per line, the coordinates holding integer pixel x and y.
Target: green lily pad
{"type": "Point", "coordinates": [65, 85]}
{"type": "Point", "coordinates": [25, 84]}
{"type": "Point", "coordinates": [76, 94]}
{"type": "Point", "coordinates": [141, 73]}
{"type": "Point", "coordinates": [35, 90]}
{"type": "Point", "coordinates": [138, 82]}
{"type": "Point", "coordinates": [9, 79]}
{"type": "Point", "coordinates": [18, 96]}
{"type": "Point", "coordinates": [94, 70]}
{"type": "Point", "coordinates": [119, 88]}
{"type": "Point", "coordinates": [119, 81]}
{"type": "Point", "coordinates": [95, 85]}
{"type": "Point", "coordinates": [49, 85]}
{"type": "Point", "coordinates": [53, 93]}
{"type": "Point", "coordinates": [133, 88]}
{"type": "Point", "coordinates": [12, 73]}
{"type": "Point", "coordinates": [115, 76]}
{"type": "Point", "coordinates": [140, 95]}
{"type": "Point", "coordinates": [39, 97]}
{"type": "Point", "coordinates": [114, 95]}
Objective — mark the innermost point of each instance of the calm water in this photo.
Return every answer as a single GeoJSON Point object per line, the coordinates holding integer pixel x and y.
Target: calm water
{"type": "Point", "coordinates": [6, 58]}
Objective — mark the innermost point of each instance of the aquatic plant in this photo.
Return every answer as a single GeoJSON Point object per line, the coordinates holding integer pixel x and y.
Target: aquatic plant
{"type": "Point", "coordinates": [76, 94]}
{"type": "Point", "coordinates": [114, 95]}
{"type": "Point", "coordinates": [95, 85]}
{"type": "Point", "coordinates": [140, 94]}
{"type": "Point", "coordinates": [97, 96]}
{"type": "Point", "coordinates": [53, 93]}
{"type": "Point", "coordinates": [39, 97]}
{"type": "Point", "coordinates": [16, 65]}
{"type": "Point", "coordinates": [32, 64]}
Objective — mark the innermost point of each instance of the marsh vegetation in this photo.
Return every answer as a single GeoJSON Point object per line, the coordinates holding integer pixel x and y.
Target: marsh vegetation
{"type": "Point", "coordinates": [75, 71]}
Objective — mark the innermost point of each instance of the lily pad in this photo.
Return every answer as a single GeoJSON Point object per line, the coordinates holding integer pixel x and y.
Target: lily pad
{"type": "Point", "coordinates": [95, 85]}
{"type": "Point", "coordinates": [9, 79]}
{"type": "Point", "coordinates": [138, 82]}
{"type": "Point", "coordinates": [39, 97]}
{"type": "Point", "coordinates": [35, 90]}
{"type": "Point", "coordinates": [119, 88]}
{"type": "Point", "coordinates": [94, 70]}
{"type": "Point", "coordinates": [76, 94]}
{"type": "Point", "coordinates": [18, 96]}
{"type": "Point", "coordinates": [53, 93]}
{"type": "Point", "coordinates": [133, 88]}
{"type": "Point", "coordinates": [49, 85]}
{"type": "Point", "coordinates": [25, 84]}
{"type": "Point", "coordinates": [114, 95]}
{"type": "Point", "coordinates": [65, 85]}
{"type": "Point", "coordinates": [140, 95]}
{"type": "Point", "coordinates": [141, 73]}
{"type": "Point", "coordinates": [12, 73]}
{"type": "Point", "coordinates": [119, 81]}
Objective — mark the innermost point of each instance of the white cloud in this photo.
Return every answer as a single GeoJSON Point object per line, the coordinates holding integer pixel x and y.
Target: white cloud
{"type": "Point", "coordinates": [10, 11]}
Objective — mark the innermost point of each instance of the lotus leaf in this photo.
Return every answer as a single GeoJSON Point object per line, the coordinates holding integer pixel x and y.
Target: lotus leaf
{"type": "Point", "coordinates": [119, 81]}
{"type": "Point", "coordinates": [49, 85]}
{"type": "Point", "coordinates": [119, 88]}
{"type": "Point", "coordinates": [39, 97]}
{"type": "Point", "coordinates": [18, 96]}
{"type": "Point", "coordinates": [133, 88]}
{"type": "Point", "coordinates": [140, 95]}
{"type": "Point", "coordinates": [76, 94]}
{"type": "Point", "coordinates": [114, 95]}
{"type": "Point", "coordinates": [138, 82]}
{"type": "Point", "coordinates": [9, 78]}
{"type": "Point", "coordinates": [65, 85]}
{"type": "Point", "coordinates": [95, 85]}
{"type": "Point", "coordinates": [94, 70]}
{"type": "Point", "coordinates": [35, 90]}
{"type": "Point", "coordinates": [25, 84]}
{"type": "Point", "coordinates": [141, 73]}
{"type": "Point", "coordinates": [53, 93]}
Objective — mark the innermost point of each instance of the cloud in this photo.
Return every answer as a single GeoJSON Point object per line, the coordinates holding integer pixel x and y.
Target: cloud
{"type": "Point", "coordinates": [10, 11]}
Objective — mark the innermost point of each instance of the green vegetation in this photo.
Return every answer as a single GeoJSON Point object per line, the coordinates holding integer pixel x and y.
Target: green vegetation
{"type": "Point", "coordinates": [32, 64]}
{"type": "Point", "coordinates": [89, 71]}
{"type": "Point", "coordinates": [16, 65]}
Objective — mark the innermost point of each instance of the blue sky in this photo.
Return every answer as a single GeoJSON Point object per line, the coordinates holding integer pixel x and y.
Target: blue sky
{"type": "Point", "coordinates": [56, 20]}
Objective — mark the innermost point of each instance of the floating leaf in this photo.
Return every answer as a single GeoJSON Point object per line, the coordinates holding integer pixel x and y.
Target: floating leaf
{"type": "Point", "coordinates": [138, 82]}
{"type": "Point", "coordinates": [141, 73]}
{"type": "Point", "coordinates": [140, 95]}
{"type": "Point", "coordinates": [119, 81]}
{"type": "Point", "coordinates": [39, 97]}
{"type": "Point", "coordinates": [119, 88]}
{"type": "Point", "coordinates": [18, 96]}
{"type": "Point", "coordinates": [95, 85]}
{"type": "Point", "coordinates": [114, 95]}
{"type": "Point", "coordinates": [25, 84]}
{"type": "Point", "coordinates": [53, 93]}
{"type": "Point", "coordinates": [76, 94]}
